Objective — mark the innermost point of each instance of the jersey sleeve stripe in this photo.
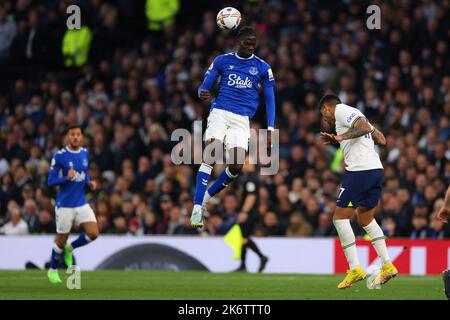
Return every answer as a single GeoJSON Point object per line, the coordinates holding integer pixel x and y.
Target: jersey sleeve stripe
{"type": "Point", "coordinates": [354, 121]}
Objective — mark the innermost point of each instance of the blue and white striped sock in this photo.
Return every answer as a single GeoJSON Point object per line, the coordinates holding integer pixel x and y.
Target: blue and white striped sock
{"type": "Point", "coordinates": [82, 240]}
{"type": "Point", "coordinates": [56, 257]}
{"type": "Point", "coordinates": [222, 181]}
{"type": "Point", "coordinates": [203, 175]}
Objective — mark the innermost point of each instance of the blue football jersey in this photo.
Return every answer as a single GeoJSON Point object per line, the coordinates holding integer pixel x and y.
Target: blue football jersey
{"type": "Point", "coordinates": [240, 80]}
{"type": "Point", "coordinates": [71, 193]}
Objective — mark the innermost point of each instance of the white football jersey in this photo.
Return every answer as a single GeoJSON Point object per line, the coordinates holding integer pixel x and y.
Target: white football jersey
{"type": "Point", "coordinates": [359, 153]}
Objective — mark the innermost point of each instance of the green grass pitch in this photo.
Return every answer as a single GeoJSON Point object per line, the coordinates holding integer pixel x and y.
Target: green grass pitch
{"type": "Point", "coordinates": [204, 285]}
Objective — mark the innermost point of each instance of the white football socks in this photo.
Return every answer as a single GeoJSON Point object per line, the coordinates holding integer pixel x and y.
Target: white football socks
{"type": "Point", "coordinates": [348, 241]}
{"type": "Point", "coordinates": [377, 237]}
{"type": "Point", "coordinates": [57, 249]}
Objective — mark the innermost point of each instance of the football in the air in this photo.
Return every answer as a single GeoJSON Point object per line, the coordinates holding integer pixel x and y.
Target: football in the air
{"type": "Point", "coordinates": [228, 18]}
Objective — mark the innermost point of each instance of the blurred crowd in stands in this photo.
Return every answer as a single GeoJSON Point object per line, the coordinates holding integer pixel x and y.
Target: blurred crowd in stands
{"type": "Point", "coordinates": [138, 84]}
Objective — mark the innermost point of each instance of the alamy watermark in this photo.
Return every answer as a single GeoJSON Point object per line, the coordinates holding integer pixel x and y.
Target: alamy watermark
{"type": "Point", "coordinates": [189, 149]}
{"type": "Point", "coordinates": [74, 279]}
{"type": "Point", "coordinates": [373, 22]}
{"type": "Point", "coordinates": [73, 22]}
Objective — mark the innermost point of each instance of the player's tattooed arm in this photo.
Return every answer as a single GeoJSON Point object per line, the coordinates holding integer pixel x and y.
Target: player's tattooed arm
{"type": "Point", "coordinates": [378, 137]}
{"type": "Point", "coordinates": [360, 127]}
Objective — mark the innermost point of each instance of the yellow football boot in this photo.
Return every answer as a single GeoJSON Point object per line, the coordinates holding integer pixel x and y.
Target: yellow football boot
{"type": "Point", "coordinates": [388, 271]}
{"type": "Point", "coordinates": [354, 275]}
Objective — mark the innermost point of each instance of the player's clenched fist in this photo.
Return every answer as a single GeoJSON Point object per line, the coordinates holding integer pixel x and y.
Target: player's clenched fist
{"type": "Point", "coordinates": [205, 95]}
{"type": "Point", "coordinates": [71, 174]}
{"type": "Point", "coordinates": [242, 217]}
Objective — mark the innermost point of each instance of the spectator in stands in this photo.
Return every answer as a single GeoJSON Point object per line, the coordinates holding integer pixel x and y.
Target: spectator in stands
{"type": "Point", "coordinates": [46, 223]}
{"type": "Point", "coordinates": [16, 226]}
{"type": "Point", "coordinates": [175, 220]}
{"type": "Point", "coordinates": [151, 225]}
{"type": "Point", "coordinates": [185, 228]}
{"type": "Point", "coordinates": [31, 214]}
{"type": "Point", "coordinates": [389, 226]}
{"type": "Point", "coordinates": [298, 226]}
{"type": "Point", "coordinates": [420, 226]}
{"type": "Point", "coordinates": [8, 31]}
{"type": "Point", "coordinates": [271, 226]}
{"type": "Point", "coordinates": [325, 226]}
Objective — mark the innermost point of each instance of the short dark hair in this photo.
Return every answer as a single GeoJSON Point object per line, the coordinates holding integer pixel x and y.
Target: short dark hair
{"type": "Point", "coordinates": [329, 98]}
{"type": "Point", "coordinates": [246, 31]}
{"type": "Point", "coordinates": [73, 126]}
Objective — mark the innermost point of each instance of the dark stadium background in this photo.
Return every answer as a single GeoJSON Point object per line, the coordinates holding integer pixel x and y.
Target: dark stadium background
{"type": "Point", "coordinates": [140, 85]}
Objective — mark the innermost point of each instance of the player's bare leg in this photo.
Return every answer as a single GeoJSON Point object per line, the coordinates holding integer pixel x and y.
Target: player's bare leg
{"type": "Point", "coordinates": [61, 239]}
{"type": "Point", "coordinates": [237, 156]}
{"type": "Point", "coordinates": [58, 247]}
{"type": "Point", "coordinates": [91, 229]}
{"type": "Point", "coordinates": [89, 234]}
{"type": "Point", "coordinates": [341, 221]}
{"type": "Point", "coordinates": [370, 225]}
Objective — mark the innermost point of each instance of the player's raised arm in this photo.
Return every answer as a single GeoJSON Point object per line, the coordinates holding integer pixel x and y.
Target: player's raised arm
{"type": "Point", "coordinates": [210, 78]}
{"type": "Point", "coordinates": [359, 128]}
{"type": "Point", "coordinates": [53, 177]}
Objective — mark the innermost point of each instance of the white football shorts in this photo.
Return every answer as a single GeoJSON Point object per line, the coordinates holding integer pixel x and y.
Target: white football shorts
{"type": "Point", "coordinates": [230, 128]}
{"type": "Point", "coordinates": [65, 217]}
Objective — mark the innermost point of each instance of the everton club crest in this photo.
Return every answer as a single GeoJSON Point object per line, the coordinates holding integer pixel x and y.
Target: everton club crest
{"type": "Point", "coordinates": [253, 71]}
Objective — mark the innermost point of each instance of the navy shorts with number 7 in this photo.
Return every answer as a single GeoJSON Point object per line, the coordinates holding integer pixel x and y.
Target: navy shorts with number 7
{"type": "Point", "coordinates": [360, 188]}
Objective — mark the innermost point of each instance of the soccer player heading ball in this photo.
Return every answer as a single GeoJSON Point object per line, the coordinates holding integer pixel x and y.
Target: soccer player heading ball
{"type": "Point", "coordinates": [242, 73]}
{"type": "Point", "coordinates": [361, 186]}
{"type": "Point", "coordinates": [241, 76]}
{"type": "Point", "coordinates": [69, 171]}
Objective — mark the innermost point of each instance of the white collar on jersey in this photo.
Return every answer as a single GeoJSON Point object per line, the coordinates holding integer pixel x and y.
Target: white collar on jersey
{"type": "Point", "coordinates": [244, 58]}
{"type": "Point", "coordinates": [73, 151]}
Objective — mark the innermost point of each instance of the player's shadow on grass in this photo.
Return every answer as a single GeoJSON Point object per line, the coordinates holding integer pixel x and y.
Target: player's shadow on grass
{"type": "Point", "coordinates": [61, 265]}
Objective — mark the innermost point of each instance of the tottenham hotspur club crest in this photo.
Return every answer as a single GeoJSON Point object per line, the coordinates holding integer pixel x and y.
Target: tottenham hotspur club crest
{"type": "Point", "coordinates": [253, 71]}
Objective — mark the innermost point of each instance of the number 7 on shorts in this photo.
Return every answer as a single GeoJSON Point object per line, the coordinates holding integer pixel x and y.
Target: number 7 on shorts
{"type": "Point", "coordinates": [340, 192]}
